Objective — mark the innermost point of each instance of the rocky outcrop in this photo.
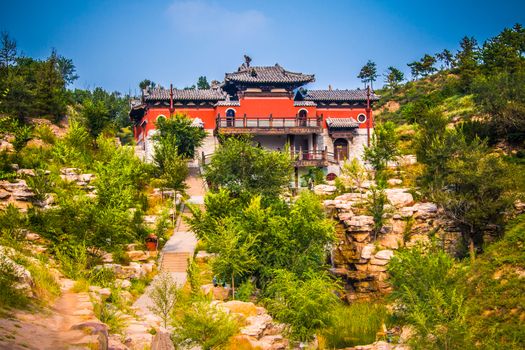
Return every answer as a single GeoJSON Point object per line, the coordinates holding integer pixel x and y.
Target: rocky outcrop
{"type": "Point", "coordinates": [360, 257]}
{"type": "Point", "coordinates": [259, 331]}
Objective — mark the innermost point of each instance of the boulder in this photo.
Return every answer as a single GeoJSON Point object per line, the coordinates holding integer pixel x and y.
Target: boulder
{"type": "Point", "coordinates": [100, 330]}
{"type": "Point", "coordinates": [324, 189]}
{"type": "Point", "coordinates": [4, 194]}
{"type": "Point", "coordinates": [366, 252]}
{"type": "Point", "coordinates": [425, 210]}
{"type": "Point", "coordinates": [384, 254]}
{"type": "Point", "coordinates": [217, 293]}
{"type": "Point", "coordinates": [256, 325]}
{"type": "Point", "coordinates": [31, 236]}
{"type": "Point", "coordinates": [394, 182]}
{"type": "Point", "coordinates": [162, 341]}
{"type": "Point", "coordinates": [398, 197]}
{"type": "Point", "coordinates": [360, 223]}
{"type": "Point", "coordinates": [25, 172]}
{"type": "Point", "coordinates": [138, 255]}
{"type": "Point", "coordinates": [240, 307]}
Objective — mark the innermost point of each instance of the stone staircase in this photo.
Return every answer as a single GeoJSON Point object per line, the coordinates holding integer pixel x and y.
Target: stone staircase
{"type": "Point", "coordinates": [175, 261]}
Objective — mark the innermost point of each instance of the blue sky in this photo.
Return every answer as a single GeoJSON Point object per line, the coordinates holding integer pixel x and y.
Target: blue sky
{"type": "Point", "coordinates": [115, 44]}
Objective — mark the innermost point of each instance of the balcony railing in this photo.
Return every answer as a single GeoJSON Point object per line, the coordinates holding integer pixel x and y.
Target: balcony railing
{"type": "Point", "coordinates": [300, 157]}
{"type": "Point", "coordinates": [268, 125]}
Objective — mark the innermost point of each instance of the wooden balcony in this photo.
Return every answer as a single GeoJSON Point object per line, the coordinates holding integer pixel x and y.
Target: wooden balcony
{"type": "Point", "coordinates": [268, 125]}
{"type": "Point", "coordinates": [311, 158]}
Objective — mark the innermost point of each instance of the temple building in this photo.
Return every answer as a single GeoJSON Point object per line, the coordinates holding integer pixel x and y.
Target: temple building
{"type": "Point", "coordinates": [321, 127]}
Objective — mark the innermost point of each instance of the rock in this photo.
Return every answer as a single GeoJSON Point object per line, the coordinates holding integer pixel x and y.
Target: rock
{"type": "Point", "coordinates": [392, 240]}
{"type": "Point", "coordinates": [394, 182]}
{"type": "Point", "coordinates": [23, 195]}
{"type": "Point", "coordinates": [25, 172]}
{"type": "Point", "coordinates": [384, 254]}
{"type": "Point", "coordinates": [398, 197]}
{"type": "Point", "coordinates": [19, 185]}
{"type": "Point", "coordinates": [425, 210]}
{"type": "Point", "coordinates": [150, 219]}
{"type": "Point", "coordinates": [70, 171]}
{"type": "Point", "coordinates": [203, 256]}
{"type": "Point", "coordinates": [378, 262]}
{"type": "Point", "coordinates": [125, 284]}
{"type": "Point", "coordinates": [147, 268]}
{"type": "Point", "coordinates": [217, 293]}
{"type": "Point", "coordinates": [366, 252]}
{"type": "Point", "coordinates": [31, 236]}
{"type": "Point", "coordinates": [406, 160]}
{"type": "Point", "coordinates": [324, 189]}
{"type": "Point", "coordinates": [240, 307]}
{"type": "Point", "coordinates": [24, 279]}
{"type": "Point", "coordinates": [100, 330]}
{"type": "Point", "coordinates": [360, 223]}
{"type": "Point", "coordinates": [256, 325]}
{"type": "Point", "coordinates": [4, 194]}
{"type": "Point", "coordinates": [138, 255]}
{"type": "Point", "coordinates": [162, 341]}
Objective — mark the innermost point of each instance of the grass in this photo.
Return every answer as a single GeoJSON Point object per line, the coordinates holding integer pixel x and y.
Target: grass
{"type": "Point", "coordinates": [110, 315]}
{"type": "Point", "coordinates": [355, 324]}
{"type": "Point", "coordinates": [46, 287]}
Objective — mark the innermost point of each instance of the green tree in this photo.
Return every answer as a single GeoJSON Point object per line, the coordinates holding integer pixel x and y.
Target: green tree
{"type": "Point", "coordinates": [186, 137]}
{"type": "Point", "coordinates": [242, 167]}
{"type": "Point", "coordinates": [306, 305]}
{"type": "Point", "coordinates": [384, 146]}
{"type": "Point", "coordinates": [427, 65]}
{"type": "Point", "coordinates": [368, 73]}
{"type": "Point", "coordinates": [446, 58]}
{"type": "Point", "coordinates": [202, 83]}
{"type": "Point", "coordinates": [393, 77]}
{"type": "Point", "coordinates": [146, 84]}
{"type": "Point", "coordinates": [430, 290]}
{"type": "Point", "coordinates": [415, 69]}
{"type": "Point", "coordinates": [467, 62]}
{"type": "Point", "coordinates": [8, 51]}
{"type": "Point", "coordinates": [505, 52]}
{"type": "Point", "coordinates": [164, 295]}
{"type": "Point", "coordinates": [479, 192]}
{"type": "Point", "coordinates": [96, 116]}
{"type": "Point", "coordinates": [376, 207]}
{"type": "Point", "coordinates": [235, 256]}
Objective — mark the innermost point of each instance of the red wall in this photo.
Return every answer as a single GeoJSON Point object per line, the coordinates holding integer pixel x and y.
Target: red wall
{"type": "Point", "coordinates": [344, 113]}
{"type": "Point", "coordinates": [253, 107]}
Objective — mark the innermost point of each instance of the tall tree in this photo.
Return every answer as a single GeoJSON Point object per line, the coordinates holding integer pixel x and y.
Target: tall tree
{"type": "Point", "coordinates": [427, 65]}
{"type": "Point", "coordinates": [8, 52]}
{"type": "Point", "coordinates": [415, 69]}
{"type": "Point", "coordinates": [394, 77]}
{"type": "Point", "coordinates": [467, 61]}
{"type": "Point", "coordinates": [384, 146]}
{"type": "Point", "coordinates": [368, 73]}
{"type": "Point", "coordinates": [506, 51]}
{"type": "Point", "coordinates": [202, 83]}
{"type": "Point", "coordinates": [187, 137]}
{"type": "Point", "coordinates": [146, 83]}
{"type": "Point", "coordinates": [446, 58]}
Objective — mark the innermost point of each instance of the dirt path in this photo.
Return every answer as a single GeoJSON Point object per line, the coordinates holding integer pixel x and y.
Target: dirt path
{"type": "Point", "coordinates": [50, 328]}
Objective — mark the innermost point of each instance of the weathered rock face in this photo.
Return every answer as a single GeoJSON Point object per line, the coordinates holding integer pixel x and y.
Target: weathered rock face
{"type": "Point", "coordinates": [361, 258]}
{"type": "Point", "coordinates": [259, 330]}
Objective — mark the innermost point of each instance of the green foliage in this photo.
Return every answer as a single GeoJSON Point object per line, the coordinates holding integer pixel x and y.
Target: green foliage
{"type": "Point", "coordinates": [430, 294]}
{"type": "Point", "coordinates": [368, 73]}
{"type": "Point", "coordinates": [12, 224]}
{"type": "Point", "coordinates": [202, 83]}
{"type": "Point", "coordinates": [164, 294]}
{"type": "Point", "coordinates": [242, 168]}
{"type": "Point", "coordinates": [394, 77]}
{"type": "Point", "coordinates": [376, 207]}
{"type": "Point", "coordinates": [110, 315]}
{"type": "Point", "coordinates": [205, 325]}
{"type": "Point", "coordinates": [355, 324]}
{"type": "Point", "coordinates": [185, 137]}
{"type": "Point", "coordinates": [10, 295]}
{"type": "Point", "coordinates": [172, 167]}
{"type": "Point", "coordinates": [305, 305]}
{"type": "Point", "coordinates": [194, 278]}
{"type": "Point", "coordinates": [278, 236]}
{"type": "Point", "coordinates": [384, 146]}
{"type": "Point", "coordinates": [96, 116]}
{"type": "Point", "coordinates": [314, 176]}
{"type": "Point", "coordinates": [353, 174]}
{"type": "Point", "coordinates": [245, 291]}
{"type": "Point", "coordinates": [45, 287]}
{"type": "Point", "coordinates": [495, 292]}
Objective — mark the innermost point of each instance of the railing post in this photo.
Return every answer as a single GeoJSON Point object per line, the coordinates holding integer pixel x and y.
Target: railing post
{"type": "Point", "coordinates": [271, 120]}
{"type": "Point", "coordinates": [244, 120]}
{"type": "Point", "coordinates": [218, 120]}
{"type": "Point", "coordinates": [324, 152]}
{"type": "Point", "coordinates": [258, 121]}
{"type": "Point", "coordinates": [301, 153]}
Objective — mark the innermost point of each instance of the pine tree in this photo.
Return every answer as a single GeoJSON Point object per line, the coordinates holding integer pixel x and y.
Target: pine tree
{"type": "Point", "coordinates": [368, 73]}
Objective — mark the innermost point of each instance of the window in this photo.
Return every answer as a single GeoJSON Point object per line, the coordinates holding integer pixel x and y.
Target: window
{"type": "Point", "coordinates": [361, 118]}
{"type": "Point", "coordinates": [161, 116]}
{"type": "Point", "coordinates": [230, 117]}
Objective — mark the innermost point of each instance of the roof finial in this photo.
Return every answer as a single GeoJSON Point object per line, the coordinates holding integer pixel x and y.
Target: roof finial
{"type": "Point", "coordinates": [330, 87]}
{"type": "Point", "coordinates": [247, 60]}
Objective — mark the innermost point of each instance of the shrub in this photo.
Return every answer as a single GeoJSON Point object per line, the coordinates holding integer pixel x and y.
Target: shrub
{"type": "Point", "coordinates": [110, 315]}
{"type": "Point", "coordinates": [164, 294]}
{"type": "Point", "coordinates": [10, 295]}
{"type": "Point", "coordinates": [305, 305]}
{"type": "Point", "coordinates": [430, 293]}
{"type": "Point", "coordinates": [45, 287]}
{"type": "Point", "coordinates": [202, 324]}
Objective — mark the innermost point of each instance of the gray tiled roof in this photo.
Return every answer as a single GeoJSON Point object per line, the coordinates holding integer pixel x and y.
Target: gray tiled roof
{"type": "Point", "coordinates": [338, 95]}
{"type": "Point", "coordinates": [342, 123]}
{"type": "Point", "coordinates": [184, 95]}
{"type": "Point", "coordinates": [269, 74]}
{"type": "Point", "coordinates": [228, 103]}
{"type": "Point", "coordinates": [304, 104]}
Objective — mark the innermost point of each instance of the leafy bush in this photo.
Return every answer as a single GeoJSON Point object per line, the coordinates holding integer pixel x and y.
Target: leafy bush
{"type": "Point", "coordinates": [429, 290]}
{"type": "Point", "coordinates": [205, 325]}
{"type": "Point", "coordinates": [305, 305]}
{"type": "Point", "coordinates": [110, 315]}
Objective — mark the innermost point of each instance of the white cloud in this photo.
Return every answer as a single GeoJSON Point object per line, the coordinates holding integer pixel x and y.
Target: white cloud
{"type": "Point", "coordinates": [203, 19]}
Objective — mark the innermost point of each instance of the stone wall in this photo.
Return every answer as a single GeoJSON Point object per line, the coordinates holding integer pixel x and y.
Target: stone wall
{"type": "Point", "coordinates": [361, 259]}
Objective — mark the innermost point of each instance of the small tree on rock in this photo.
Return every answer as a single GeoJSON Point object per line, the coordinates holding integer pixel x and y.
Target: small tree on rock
{"type": "Point", "coordinates": [164, 295]}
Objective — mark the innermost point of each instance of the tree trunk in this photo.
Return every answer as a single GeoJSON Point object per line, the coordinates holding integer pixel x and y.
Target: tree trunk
{"type": "Point", "coordinates": [471, 249]}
